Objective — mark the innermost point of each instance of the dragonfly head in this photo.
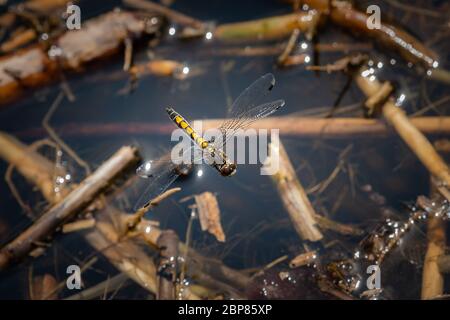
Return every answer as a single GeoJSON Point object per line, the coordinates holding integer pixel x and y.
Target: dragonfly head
{"type": "Point", "coordinates": [228, 169]}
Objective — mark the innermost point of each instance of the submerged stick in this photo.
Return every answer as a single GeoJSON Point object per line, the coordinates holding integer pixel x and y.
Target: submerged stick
{"type": "Point", "coordinates": [303, 259]}
{"type": "Point", "coordinates": [292, 194]}
{"type": "Point", "coordinates": [330, 128]}
{"type": "Point", "coordinates": [168, 265]}
{"type": "Point", "coordinates": [406, 129]}
{"type": "Point", "coordinates": [71, 205]}
{"type": "Point", "coordinates": [268, 28]}
{"type": "Point", "coordinates": [197, 263]}
{"type": "Point", "coordinates": [100, 289]}
{"type": "Point", "coordinates": [432, 278]}
{"type": "Point", "coordinates": [34, 167]}
{"type": "Point", "coordinates": [345, 15]}
{"type": "Point", "coordinates": [100, 37]}
{"type": "Point", "coordinates": [172, 15]}
{"type": "Point", "coordinates": [18, 40]}
{"type": "Point", "coordinates": [126, 257]}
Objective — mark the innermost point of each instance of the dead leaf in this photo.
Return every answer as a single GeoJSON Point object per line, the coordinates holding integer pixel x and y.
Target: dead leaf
{"type": "Point", "coordinates": [209, 214]}
{"type": "Point", "coordinates": [44, 286]}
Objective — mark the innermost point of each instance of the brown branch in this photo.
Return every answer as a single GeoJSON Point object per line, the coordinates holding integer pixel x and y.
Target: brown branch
{"type": "Point", "coordinates": [268, 28]}
{"type": "Point", "coordinates": [34, 167]}
{"type": "Point", "coordinates": [102, 288]}
{"type": "Point", "coordinates": [172, 15]}
{"type": "Point", "coordinates": [168, 265]}
{"type": "Point", "coordinates": [344, 229]}
{"type": "Point", "coordinates": [198, 264]}
{"type": "Point", "coordinates": [407, 130]}
{"type": "Point", "coordinates": [136, 218]}
{"type": "Point", "coordinates": [125, 256]}
{"type": "Point", "coordinates": [18, 39]}
{"type": "Point", "coordinates": [343, 14]}
{"type": "Point", "coordinates": [332, 128]}
{"type": "Point", "coordinates": [303, 259]}
{"type": "Point", "coordinates": [292, 194]}
{"type": "Point", "coordinates": [338, 127]}
{"type": "Point", "coordinates": [100, 37]}
{"type": "Point", "coordinates": [432, 278]}
{"type": "Point", "coordinates": [72, 204]}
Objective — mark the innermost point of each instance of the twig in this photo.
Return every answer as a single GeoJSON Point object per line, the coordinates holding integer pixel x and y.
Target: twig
{"type": "Point", "coordinates": [34, 167]}
{"type": "Point", "coordinates": [196, 263]}
{"type": "Point", "coordinates": [71, 205]}
{"type": "Point", "coordinates": [100, 37]}
{"type": "Point", "coordinates": [128, 55]}
{"type": "Point", "coordinates": [168, 264]}
{"type": "Point", "coordinates": [432, 278]}
{"type": "Point", "coordinates": [410, 134]}
{"type": "Point", "coordinates": [414, 9]}
{"type": "Point", "coordinates": [292, 194]}
{"type": "Point", "coordinates": [303, 259]}
{"type": "Point", "coordinates": [78, 225]}
{"type": "Point", "coordinates": [185, 253]}
{"type": "Point", "coordinates": [344, 229]}
{"type": "Point", "coordinates": [297, 126]}
{"type": "Point", "coordinates": [172, 15]}
{"type": "Point", "coordinates": [289, 47]}
{"type": "Point", "coordinates": [51, 132]}
{"type": "Point", "coordinates": [442, 145]}
{"type": "Point", "coordinates": [343, 14]}
{"type": "Point", "coordinates": [15, 192]}
{"type": "Point", "coordinates": [103, 287]}
{"type": "Point", "coordinates": [260, 271]}
{"type": "Point", "coordinates": [134, 219]}
{"type": "Point", "coordinates": [17, 40]}
{"type": "Point", "coordinates": [268, 28]}
{"type": "Point", "coordinates": [63, 284]}
{"type": "Point", "coordinates": [342, 64]}
{"type": "Point", "coordinates": [126, 257]}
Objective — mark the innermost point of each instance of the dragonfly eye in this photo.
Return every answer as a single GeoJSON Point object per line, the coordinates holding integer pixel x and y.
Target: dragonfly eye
{"type": "Point", "coordinates": [228, 169]}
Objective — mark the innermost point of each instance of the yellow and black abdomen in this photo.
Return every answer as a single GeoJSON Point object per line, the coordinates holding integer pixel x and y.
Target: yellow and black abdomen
{"type": "Point", "coordinates": [181, 122]}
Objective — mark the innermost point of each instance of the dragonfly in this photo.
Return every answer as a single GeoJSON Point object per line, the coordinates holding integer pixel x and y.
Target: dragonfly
{"type": "Point", "coordinates": [247, 108]}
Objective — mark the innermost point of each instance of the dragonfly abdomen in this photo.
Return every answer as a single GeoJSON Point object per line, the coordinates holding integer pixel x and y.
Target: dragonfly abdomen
{"type": "Point", "coordinates": [181, 122]}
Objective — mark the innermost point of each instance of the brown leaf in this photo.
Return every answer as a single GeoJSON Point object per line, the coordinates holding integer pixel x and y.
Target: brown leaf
{"type": "Point", "coordinates": [44, 287]}
{"type": "Point", "coordinates": [209, 214]}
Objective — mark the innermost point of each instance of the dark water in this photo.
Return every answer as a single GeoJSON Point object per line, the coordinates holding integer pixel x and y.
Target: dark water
{"type": "Point", "coordinates": [253, 217]}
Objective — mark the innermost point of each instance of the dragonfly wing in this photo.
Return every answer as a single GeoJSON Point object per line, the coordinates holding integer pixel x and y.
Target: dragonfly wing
{"type": "Point", "coordinates": [163, 172]}
{"type": "Point", "coordinates": [259, 112]}
{"type": "Point", "coordinates": [160, 176]}
{"type": "Point", "coordinates": [252, 96]}
{"type": "Point", "coordinates": [249, 98]}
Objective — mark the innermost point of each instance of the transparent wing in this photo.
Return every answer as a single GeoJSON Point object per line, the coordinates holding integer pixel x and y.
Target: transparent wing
{"type": "Point", "coordinates": [247, 108]}
{"type": "Point", "coordinates": [254, 114]}
{"type": "Point", "coordinates": [248, 99]}
{"type": "Point", "coordinates": [161, 173]}
{"type": "Point", "coordinates": [157, 183]}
